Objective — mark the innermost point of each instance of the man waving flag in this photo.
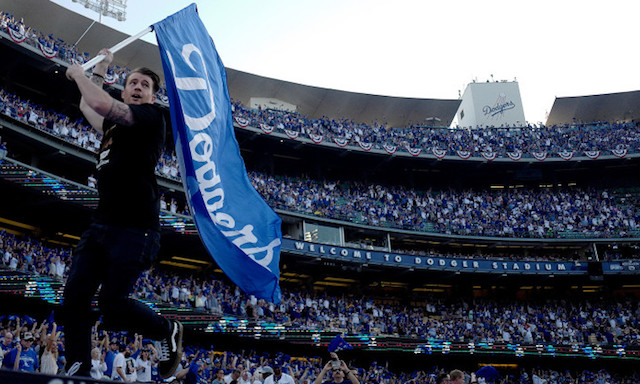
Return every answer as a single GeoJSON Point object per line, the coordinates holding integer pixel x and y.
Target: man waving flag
{"type": "Point", "coordinates": [241, 232]}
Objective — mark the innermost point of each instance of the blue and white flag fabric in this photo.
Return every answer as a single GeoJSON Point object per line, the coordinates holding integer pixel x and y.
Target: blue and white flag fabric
{"type": "Point", "coordinates": [241, 232]}
{"type": "Point", "coordinates": [51, 319]}
{"type": "Point", "coordinates": [339, 344]}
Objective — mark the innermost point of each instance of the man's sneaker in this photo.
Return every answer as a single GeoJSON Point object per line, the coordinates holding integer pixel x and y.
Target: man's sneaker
{"type": "Point", "coordinates": [74, 369]}
{"type": "Point", "coordinates": [170, 351]}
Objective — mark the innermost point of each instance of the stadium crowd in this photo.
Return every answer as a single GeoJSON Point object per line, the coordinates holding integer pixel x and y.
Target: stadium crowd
{"type": "Point", "coordinates": [54, 47]}
{"type": "Point", "coordinates": [527, 140]}
{"type": "Point", "coordinates": [511, 213]}
{"type": "Point", "coordinates": [31, 346]}
{"type": "Point", "coordinates": [555, 321]}
{"type": "Point", "coordinates": [461, 320]}
{"type": "Point", "coordinates": [508, 213]}
{"type": "Point", "coordinates": [40, 346]}
{"type": "Point", "coordinates": [444, 212]}
{"type": "Point", "coordinates": [74, 131]}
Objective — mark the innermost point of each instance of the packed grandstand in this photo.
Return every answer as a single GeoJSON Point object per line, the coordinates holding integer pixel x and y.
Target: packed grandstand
{"type": "Point", "coordinates": [551, 210]}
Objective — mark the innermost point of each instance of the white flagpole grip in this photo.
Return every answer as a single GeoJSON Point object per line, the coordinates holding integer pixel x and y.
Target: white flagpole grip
{"type": "Point", "coordinates": [117, 47]}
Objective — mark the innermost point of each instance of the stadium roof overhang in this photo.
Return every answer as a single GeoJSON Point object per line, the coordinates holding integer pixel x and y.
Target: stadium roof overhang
{"type": "Point", "coordinates": [50, 18]}
{"type": "Point", "coordinates": [612, 107]}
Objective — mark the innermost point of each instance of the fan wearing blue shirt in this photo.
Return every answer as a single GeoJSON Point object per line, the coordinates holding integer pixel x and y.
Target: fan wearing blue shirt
{"type": "Point", "coordinates": [23, 357]}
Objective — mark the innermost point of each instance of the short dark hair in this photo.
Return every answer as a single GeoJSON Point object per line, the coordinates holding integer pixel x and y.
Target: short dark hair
{"type": "Point", "coordinates": [148, 72]}
{"type": "Point", "coordinates": [442, 378]}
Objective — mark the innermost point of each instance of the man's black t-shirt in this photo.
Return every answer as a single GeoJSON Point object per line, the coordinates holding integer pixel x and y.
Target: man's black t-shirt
{"type": "Point", "coordinates": [126, 169]}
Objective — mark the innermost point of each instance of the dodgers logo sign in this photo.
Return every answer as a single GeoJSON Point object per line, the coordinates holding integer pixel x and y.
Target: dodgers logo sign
{"type": "Point", "coordinates": [241, 232]}
{"type": "Point", "coordinates": [501, 105]}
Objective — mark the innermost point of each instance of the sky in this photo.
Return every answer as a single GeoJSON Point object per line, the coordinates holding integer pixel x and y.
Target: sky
{"type": "Point", "coordinates": [419, 48]}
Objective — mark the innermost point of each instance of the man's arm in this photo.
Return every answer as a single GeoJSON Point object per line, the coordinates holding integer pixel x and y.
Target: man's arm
{"type": "Point", "coordinates": [105, 340]}
{"type": "Point", "coordinates": [348, 373]}
{"type": "Point", "coordinates": [154, 354]}
{"type": "Point", "coordinates": [16, 362]}
{"type": "Point", "coordinates": [98, 100]}
{"type": "Point", "coordinates": [321, 375]}
{"type": "Point", "coordinates": [96, 103]}
{"type": "Point", "coordinates": [91, 115]}
{"type": "Point", "coordinates": [99, 71]}
{"type": "Point", "coordinates": [16, 332]}
{"type": "Point", "coordinates": [121, 373]}
{"type": "Point", "coordinates": [138, 343]}
{"type": "Point", "coordinates": [352, 377]}
{"type": "Point", "coordinates": [181, 374]}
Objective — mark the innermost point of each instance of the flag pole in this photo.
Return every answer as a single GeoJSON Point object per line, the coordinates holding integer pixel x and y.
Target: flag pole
{"type": "Point", "coordinates": [117, 47]}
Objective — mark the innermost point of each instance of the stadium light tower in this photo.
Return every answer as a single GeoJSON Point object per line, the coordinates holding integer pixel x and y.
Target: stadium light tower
{"type": "Point", "coordinates": [110, 8]}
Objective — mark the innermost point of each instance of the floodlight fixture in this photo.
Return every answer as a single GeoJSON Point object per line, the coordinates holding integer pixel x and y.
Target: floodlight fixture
{"type": "Point", "coordinates": [108, 8]}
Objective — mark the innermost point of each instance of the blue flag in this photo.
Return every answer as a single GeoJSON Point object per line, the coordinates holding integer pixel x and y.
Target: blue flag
{"type": "Point", "coordinates": [28, 320]}
{"type": "Point", "coordinates": [240, 231]}
{"type": "Point", "coordinates": [339, 344]}
{"type": "Point", "coordinates": [50, 320]}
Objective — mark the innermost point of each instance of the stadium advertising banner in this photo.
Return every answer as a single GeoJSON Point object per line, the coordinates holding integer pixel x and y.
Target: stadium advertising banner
{"type": "Point", "coordinates": [434, 263]}
{"type": "Point", "coordinates": [621, 267]}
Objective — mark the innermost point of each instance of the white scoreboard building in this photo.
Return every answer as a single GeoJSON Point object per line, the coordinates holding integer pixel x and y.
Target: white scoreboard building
{"type": "Point", "coordinates": [491, 104]}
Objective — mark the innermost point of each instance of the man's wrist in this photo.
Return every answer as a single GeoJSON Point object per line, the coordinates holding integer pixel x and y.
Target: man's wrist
{"type": "Point", "coordinates": [97, 79]}
{"type": "Point", "coordinates": [101, 68]}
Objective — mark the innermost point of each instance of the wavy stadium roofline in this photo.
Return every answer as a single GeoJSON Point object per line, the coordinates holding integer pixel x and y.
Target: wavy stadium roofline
{"type": "Point", "coordinates": [250, 84]}
{"type": "Point", "coordinates": [312, 101]}
{"type": "Point", "coordinates": [48, 17]}
{"type": "Point", "coordinates": [351, 145]}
